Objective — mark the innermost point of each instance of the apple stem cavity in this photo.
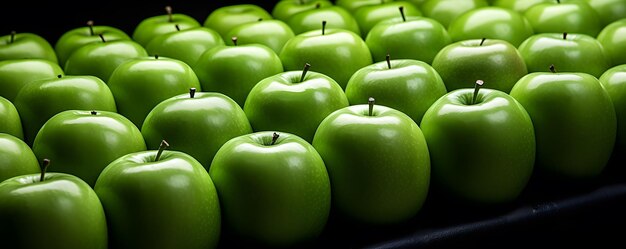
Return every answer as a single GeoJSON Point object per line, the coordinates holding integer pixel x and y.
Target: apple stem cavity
{"type": "Point", "coordinates": [192, 92]}
{"type": "Point", "coordinates": [324, 27]}
{"type": "Point", "coordinates": [164, 144]}
{"type": "Point", "coordinates": [102, 37]}
{"type": "Point", "coordinates": [234, 39]}
{"type": "Point", "coordinates": [370, 102]}
{"type": "Point", "coordinates": [477, 86]}
{"type": "Point", "coordinates": [564, 35]}
{"type": "Point", "coordinates": [274, 138]}
{"type": "Point", "coordinates": [401, 8]}
{"type": "Point", "coordinates": [482, 41]}
{"type": "Point", "coordinates": [168, 9]}
{"type": "Point", "coordinates": [12, 37]}
{"type": "Point", "coordinates": [318, 5]}
{"type": "Point", "coordinates": [44, 168]}
{"type": "Point", "coordinates": [90, 25]}
{"type": "Point", "coordinates": [552, 68]}
{"type": "Point", "coordinates": [260, 19]}
{"type": "Point", "coordinates": [388, 59]}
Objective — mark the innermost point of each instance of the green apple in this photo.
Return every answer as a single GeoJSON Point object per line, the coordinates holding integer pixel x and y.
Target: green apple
{"type": "Point", "coordinates": [14, 74]}
{"type": "Point", "coordinates": [234, 70]}
{"type": "Point", "coordinates": [613, 40]}
{"type": "Point", "coordinates": [271, 33]}
{"type": "Point", "coordinates": [566, 16]}
{"type": "Point", "coordinates": [16, 158]}
{"type": "Point", "coordinates": [482, 145]}
{"type": "Point", "coordinates": [77, 37]}
{"type": "Point", "coordinates": [409, 86]}
{"type": "Point", "coordinates": [53, 210]}
{"type": "Point", "coordinates": [614, 81]}
{"type": "Point", "coordinates": [417, 3]}
{"type": "Point", "coordinates": [494, 61]}
{"type": "Point", "coordinates": [196, 123]}
{"type": "Point", "coordinates": [185, 45]}
{"type": "Point", "coordinates": [101, 58]}
{"type": "Point", "coordinates": [26, 46]}
{"type": "Point", "coordinates": [10, 122]}
{"type": "Point", "coordinates": [335, 16]}
{"type": "Point", "coordinates": [83, 143]}
{"type": "Point", "coordinates": [140, 84]}
{"type": "Point", "coordinates": [609, 10]}
{"type": "Point", "coordinates": [368, 16]}
{"type": "Point", "coordinates": [377, 161]}
{"type": "Point", "coordinates": [417, 38]}
{"type": "Point", "coordinates": [574, 119]}
{"type": "Point", "coordinates": [519, 5]}
{"type": "Point", "coordinates": [295, 102]}
{"type": "Point", "coordinates": [491, 23]}
{"type": "Point", "coordinates": [39, 100]}
{"type": "Point", "coordinates": [274, 189]}
{"type": "Point", "coordinates": [154, 26]}
{"type": "Point", "coordinates": [352, 5]}
{"type": "Point", "coordinates": [283, 10]}
{"type": "Point", "coordinates": [159, 199]}
{"type": "Point", "coordinates": [225, 18]}
{"type": "Point", "coordinates": [569, 52]}
{"type": "Point", "coordinates": [335, 53]}
{"type": "Point", "coordinates": [445, 11]}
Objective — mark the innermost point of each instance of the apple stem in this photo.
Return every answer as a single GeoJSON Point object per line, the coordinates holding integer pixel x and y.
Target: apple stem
{"type": "Point", "coordinates": [482, 41]}
{"type": "Point", "coordinates": [558, 1]}
{"type": "Point", "coordinates": [234, 39]}
{"type": "Point", "coordinates": [260, 19]}
{"type": "Point", "coordinates": [162, 147]}
{"type": "Point", "coordinates": [156, 56]}
{"type": "Point", "coordinates": [12, 37]}
{"type": "Point", "coordinates": [94, 113]}
{"type": "Point", "coordinates": [564, 35]}
{"type": "Point", "coordinates": [168, 9]}
{"type": "Point", "coordinates": [552, 68]}
{"type": "Point", "coordinates": [102, 37]}
{"type": "Point", "coordinates": [192, 92]}
{"type": "Point", "coordinates": [90, 25]}
{"type": "Point", "coordinates": [323, 27]}
{"type": "Point", "coordinates": [177, 27]}
{"type": "Point", "coordinates": [388, 59]}
{"type": "Point", "coordinates": [401, 8]}
{"type": "Point", "coordinates": [370, 102]}
{"type": "Point", "coordinates": [318, 5]}
{"type": "Point", "coordinates": [44, 168]}
{"type": "Point", "coordinates": [477, 86]}
{"type": "Point", "coordinates": [59, 76]}
{"type": "Point", "coordinates": [274, 138]}
{"type": "Point", "coordinates": [304, 71]}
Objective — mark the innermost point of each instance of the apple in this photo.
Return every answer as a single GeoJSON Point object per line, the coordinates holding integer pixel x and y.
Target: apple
{"type": "Point", "coordinates": [445, 11]}
{"type": "Point", "coordinates": [335, 53]}
{"type": "Point", "coordinates": [16, 158]}
{"type": "Point", "coordinates": [335, 17]}
{"type": "Point", "coordinates": [295, 102]}
{"type": "Point", "coordinates": [352, 5]}
{"type": "Point", "coordinates": [271, 33]}
{"type": "Point", "coordinates": [274, 189]}
{"type": "Point", "coordinates": [613, 40]}
{"type": "Point", "coordinates": [196, 123]}
{"type": "Point", "coordinates": [185, 45]}
{"type": "Point", "coordinates": [225, 18]}
{"type": "Point", "coordinates": [51, 210]}
{"type": "Point", "coordinates": [570, 52]}
{"type": "Point", "coordinates": [566, 16]}
{"type": "Point", "coordinates": [368, 16]}
{"type": "Point", "coordinates": [417, 38]}
{"type": "Point", "coordinates": [519, 5]}
{"type": "Point", "coordinates": [154, 26]}
{"type": "Point", "coordinates": [83, 143]}
{"type": "Point", "coordinates": [494, 61]}
{"type": "Point", "coordinates": [482, 145]}
{"type": "Point", "coordinates": [409, 86]}
{"type": "Point", "coordinates": [10, 122]}
{"type": "Point", "coordinates": [574, 119]}
{"type": "Point", "coordinates": [378, 163]}
{"type": "Point", "coordinates": [234, 70]}
{"type": "Point", "coordinates": [159, 199]}
{"type": "Point", "coordinates": [14, 74]}
{"type": "Point", "coordinates": [609, 10]}
{"type": "Point", "coordinates": [26, 46]}
{"type": "Point", "coordinates": [39, 100]}
{"type": "Point", "coordinates": [491, 23]}
{"type": "Point", "coordinates": [77, 37]}
{"type": "Point", "coordinates": [101, 58]}
{"type": "Point", "coordinates": [283, 10]}
{"type": "Point", "coordinates": [417, 3]}
{"type": "Point", "coordinates": [614, 81]}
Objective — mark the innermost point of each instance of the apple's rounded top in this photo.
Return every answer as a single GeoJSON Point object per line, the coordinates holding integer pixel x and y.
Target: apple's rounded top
{"type": "Point", "coordinates": [270, 140]}
{"type": "Point", "coordinates": [572, 16]}
{"type": "Point", "coordinates": [491, 23]}
{"type": "Point", "coordinates": [351, 5]}
{"type": "Point", "coordinates": [26, 46]}
{"type": "Point", "coordinates": [154, 26]}
{"type": "Point", "coordinates": [335, 17]}
{"type": "Point", "coordinates": [285, 9]}
{"type": "Point", "coordinates": [272, 33]}
{"type": "Point", "coordinates": [50, 183]}
{"type": "Point", "coordinates": [77, 37]}
{"type": "Point", "coordinates": [225, 18]}
{"type": "Point", "coordinates": [445, 11]}
{"type": "Point", "coordinates": [370, 15]}
{"type": "Point", "coordinates": [519, 5]}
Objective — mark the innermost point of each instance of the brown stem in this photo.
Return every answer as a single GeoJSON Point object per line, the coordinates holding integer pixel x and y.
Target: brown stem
{"type": "Point", "coordinates": [102, 37]}
{"type": "Point", "coordinates": [482, 41]}
{"type": "Point", "coordinates": [192, 92]}
{"type": "Point", "coordinates": [12, 37]}
{"type": "Point", "coordinates": [479, 83]}
{"type": "Point", "coordinates": [552, 68]}
{"type": "Point", "coordinates": [162, 147]}
{"type": "Point", "coordinates": [370, 102]}
{"type": "Point", "coordinates": [234, 39]}
{"type": "Point", "coordinates": [94, 113]}
{"type": "Point", "coordinates": [90, 25]}
{"type": "Point", "coordinates": [304, 71]}
{"type": "Point", "coordinates": [274, 138]}
{"type": "Point", "coordinates": [564, 35]}
{"type": "Point", "coordinates": [177, 27]}
{"type": "Point", "coordinates": [401, 8]}
{"type": "Point", "coordinates": [323, 27]}
{"type": "Point", "coordinates": [44, 168]}
{"type": "Point", "coordinates": [388, 59]}
{"type": "Point", "coordinates": [168, 9]}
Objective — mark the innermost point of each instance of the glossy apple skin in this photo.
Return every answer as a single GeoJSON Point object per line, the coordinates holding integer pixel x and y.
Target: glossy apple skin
{"type": "Point", "coordinates": [571, 16]}
{"type": "Point", "coordinates": [481, 153]}
{"type": "Point", "coordinates": [140, 84]}
{"type": "Point", "coordinates": [498, 63]}
{"type": "Point", "coordinates": [283, 10]}
{"type": "Point", "coordinates": [368, 16]}
{"type": "Point", "coordinates": [26, 46]}
{"type": "Point", "coordinates": [577, 53]}
{"type": "Point", "coordinates": [609, 10]}
{"type": "Point", "coordinates": [613, 39]}
{"type": "Point", "coordinates": [77, 37]}
{"type": "Point", "coordinates": [155, 26]}
{"type": "Point", "coordinates": [336, 53]}
{"type": "Point", "coordinates": [614, 81]}
{"type": "Point", "coordinates": [170, 203]}
{"type": "Point", "coordinates": [83, 144]}
{"type": "Point", "coordinates": [61, 212]}
{"type": "Point", "coordinates": [234, 70]}
{"type": "Point", "coordinates": [198, 126]}
{"type": "Point", "coordinates": [14, 74]}
{"type": "Point", "coordinates": [285, 104]}
{"type": "Point", "coordinates": [10, 122]}
{"type": "Point", "coordinates": [39, 100]}
{"type": "Point", "coordinates": [410, 86]}
{"type": "Point", "coordinates": [352, 5]}
{"type": "Point", "coordinates": [335, 17]}
{"type": "Point", "coordinates": [445, 11]}
{"type": "Point", "coordinates": [225, 18]}
{"type": "Point", "coordinates": [417, 38]}
{"type": "Point", "coordinates": [491, 23]}
{"type": "Point", "coordinates": [101, 58]}
{"type": "Point", "coordinates": [273, 195]}
{"type": "Point", "coordinates": [574, 119]}
{"type": "Point", "coordinates": [379, 166]}
{"type": "Point", "coordinates": [16, 158]}
{"type": "Point", "coordinates": [519, 5]}
{"type": "Point", "coordinates": [185, 45]}
{"type": "Point", "coordinates": [271, 33]}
